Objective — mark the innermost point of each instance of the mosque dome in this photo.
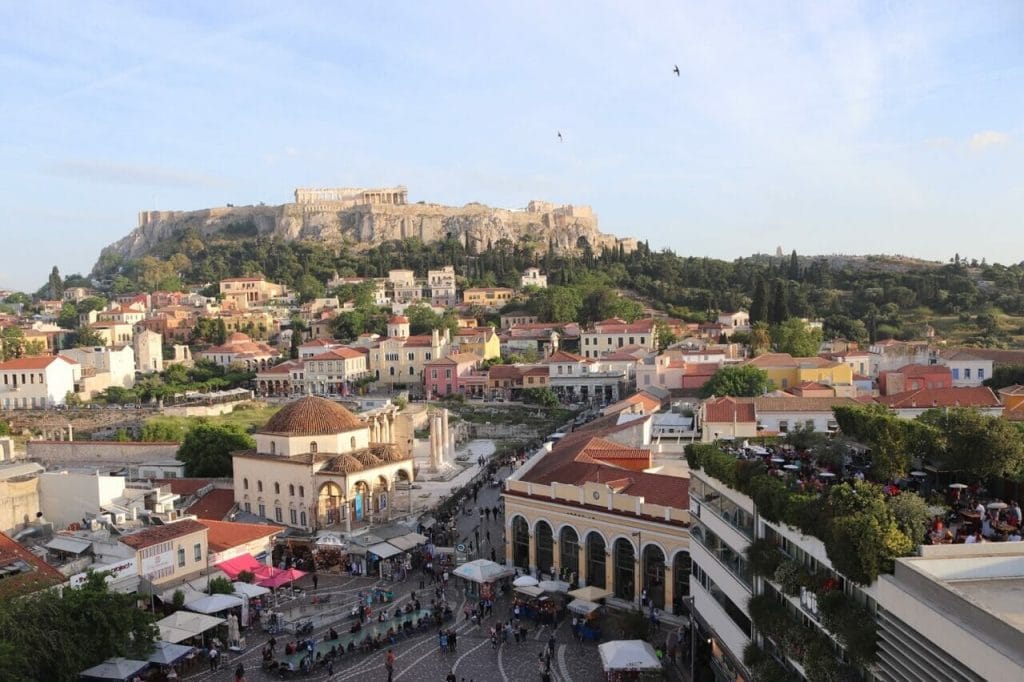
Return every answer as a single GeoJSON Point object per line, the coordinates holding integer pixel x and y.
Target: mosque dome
{"type": "Point", "coordinates": [312, 416]}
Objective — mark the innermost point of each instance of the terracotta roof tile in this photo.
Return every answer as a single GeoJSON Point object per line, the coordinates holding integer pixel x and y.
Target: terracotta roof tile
{"type": "Point", "coordinates": [800, 404]}
{"type": "Point", "coordinates": [216, 504]}
{"type": "Point", "coordinates": [34, 574]}
{"type": "Point", "coordinates": [977, 396]}
{"type": "Point", "coordinates": [721, 410]}
{"type": "Point", "coordinates": [154, 535]}
{"type": "Point", "coordinates": [34, 362]}
{"type": "Point", "coordinates": [223, 535]}
{"type": "Point", "coordinates": [312, 416]}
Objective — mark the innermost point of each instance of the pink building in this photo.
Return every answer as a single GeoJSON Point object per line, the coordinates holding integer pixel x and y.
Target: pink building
{"type": "Point", "coordinates": [448, 375]}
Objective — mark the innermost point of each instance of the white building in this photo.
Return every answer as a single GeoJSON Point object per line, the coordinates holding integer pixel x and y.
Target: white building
{"type": "Point", "coordinates": [37, 382]}
{"type": "Point", "coordinates": [103, 367]}
{"type": "Point", "coordinates": [333, 371]}
{"type": "Point", "coordinates": [738, 321]}
{"type": "Point", "coordinates": [149, 350]}
{"type": "Point", "coordinates": [532, 277]}
{"type": "Point", "coordinates": [967, 369]}
{"type": "Point", "coordinates": [442, 286]}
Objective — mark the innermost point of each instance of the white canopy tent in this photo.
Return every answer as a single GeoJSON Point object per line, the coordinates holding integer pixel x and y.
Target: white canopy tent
{"type": "Point", "coordinates": [628, 654]}
{"type": "Point", "coordinates": [530, 590]}
{"type": "Point", "coordinates": [583, 607]}
{"type": "Point", "coordinates": [525, 581]}
{"type": "Point", "coordinates": [113, 669]}
{"type": "Point", "coordinates": [591, 593]}
{"type": "Point", "coordinates": [181, 625]}
{"type": "Point", "coordinates": [384, 550]}
{"type": "Point", "coordinates": [482, 571]}
{"type": "Point", "coordinates": [250, 591]}
{"type": "Point", "coordinates": [554, 586]}
{"type": "Point", "coordinates": [213, 603]}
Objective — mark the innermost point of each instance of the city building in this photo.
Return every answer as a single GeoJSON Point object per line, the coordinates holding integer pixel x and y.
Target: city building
{"type": "Point", "coordinates": [246, 292]}
{"type": "Point", "coordinates": [169, 554]}
{"type": "Point", "coordinates": [399, 359]}
{"type": "Point", "coordinates": [482, 341]}
{"type": "Point", "coordinates": [786, 371]}
{"type": "Point", "coordinates": [610, 335]}
{"type": "Point", "coordinates": [588, 511]}
{"type": "Point", "coordinates": [149, 350]}
{"type": "Point", "coordinates": [24, 572]}
{"type": "Point", "coordinates": [403, 287]}
{"type": "Point", "coordinates": [242, 350]}
{"type": "Point", "coordinates": [37, 382]}
{"type": "Point", "coordinates": [966, 368]}
{"type": "Point", "coordinates": [490, 298]}
{"type": "Point", "coordinates": [447, 375]}
{"type": "Point", "coordinates": [103, 367]}
{"type": "Point", "coordinates": [333, 372]}
{"type": "Point", "coordinates": [316, 465]}
{"type": "Point", "coordinates": [442, 287]}
{"type": "Point", "coordinates": [738, 321]}
{"type": "Point", "coordinates": [911, 404]}
{"type": "Point", "coordinates": [914, 377]}
{"type": "Point", "coordinates": [532, 277]}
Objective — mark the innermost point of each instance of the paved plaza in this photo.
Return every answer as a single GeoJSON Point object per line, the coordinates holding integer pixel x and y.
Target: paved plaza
{"type": "Point", "coordinates": [418, 657]}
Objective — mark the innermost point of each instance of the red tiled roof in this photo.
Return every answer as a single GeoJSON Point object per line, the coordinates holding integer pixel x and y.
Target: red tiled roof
{"type": "Point", "coordinates": [183, 486]}
{"type": "Point", "coordinates": [721, 410]}
{"type": "Point", "coordinates": [216, 504]}
{"type": "Point", "coordinates": [976, 396]}
{"type": "Point", "coordinates": [222, 535]}
{"type": "Point", "coordinates": [504, 372]}
{"type": "Point", "coordinates": [1016, 389]}
{"type": "Point", "coordinates": [419, 341]}
{"type": "Point", "coordinates": [700, 368]}
{"type": "Point", "coordinates": [919, 370]}
{"type": "Point", "coordinates": [563, 356]}
{"type": "Point", "coordinates": [34, 362]}
{"type": "Point", "coordinates": [773, 360]}
{"type": "Point", "coordinates": [399, 319]}
{"type": "Point", "coordinates": [154, 535]}
{"type": "Point", "coordinates": [312, 416]}
{"type": "Point", "coordinates": [36, 574]}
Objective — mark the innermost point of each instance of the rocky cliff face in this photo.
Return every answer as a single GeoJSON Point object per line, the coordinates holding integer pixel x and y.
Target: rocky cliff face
{"type": "Point", "coordinates": [371, 225]}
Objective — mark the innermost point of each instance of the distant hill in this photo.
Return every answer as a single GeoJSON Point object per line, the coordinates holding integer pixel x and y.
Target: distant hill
{"type": "Point", "coordinates": [362, 219]}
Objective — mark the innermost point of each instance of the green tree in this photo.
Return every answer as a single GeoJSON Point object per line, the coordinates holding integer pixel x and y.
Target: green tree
{"type": "Point", "coordinates": [162, 430]}
{"type": "Point", "coordinates": [221, 585]}
{"type": "Point", "coordinates": [206, 449]}
{"type": "Point", "coordinates": [737, 381]}
{"type": "Point", "coordinates": [87, 337]}
{"type": "Point", "coordinates": [794, 337]}
{"type": "Point", "coordinates": [760, 338]}
{"type": "Point", "coordinates": [56, 284]}
{"type": "Point", "coordinates": [13, 341]}
{"type": "Point", "coordinates": [971, 441]}
{"type": "Point", "coordinates": [910, 512]}
{"type": "Point", "coordinates": [664, 334]}
{"type": "Point", "coordinates": [864, 538]}
{"type": "Point", "coordinates": [53, 635]}
{"type": "Point", "coordinates": [540, 396]}
{"type": "Point", "coordinates": [309, 287]}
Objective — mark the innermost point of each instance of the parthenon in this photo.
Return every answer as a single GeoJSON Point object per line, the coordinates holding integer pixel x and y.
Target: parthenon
{"type": "Point", "coordinates": [350, 196]}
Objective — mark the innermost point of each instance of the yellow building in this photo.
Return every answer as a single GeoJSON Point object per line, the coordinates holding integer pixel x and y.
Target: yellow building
{"type": "Point", "coordinates": [249, 291]}
{"type": "Point", "coordinates": [488, 297]}
{"type": "Point", "coordinates": [481, 341]}
{"type": "Point", "coordinates": [585, 509]}
{"type": "Point", "coordinates": [785, 371]}
{"type": "Point", "coordinates": [169, 554]}
{"type": "Point", "coordinates": [316, 465]}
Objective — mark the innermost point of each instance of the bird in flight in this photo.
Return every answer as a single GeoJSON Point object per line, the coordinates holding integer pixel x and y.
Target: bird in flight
{"type": "Point", "coordinates": [559, 135]}
{"type": "Point", "coordinates": [676, 70]}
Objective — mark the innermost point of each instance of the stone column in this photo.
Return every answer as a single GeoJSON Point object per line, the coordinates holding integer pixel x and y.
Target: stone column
{"type": "Point", "coordinates": [556, 557]}
{"type": "Point", "coordinates": [581, 561]}
{"type": "Point", "coordinates": [670, 588]}
{"type": "Point", "coordinates": [533, 552]}
{"type": "Point", "coordinates": [445, 436]}
{"type": "Point", "coordinates": [433, 444]}
{"type": "Point", "coordinates": [508, 543]}
{"type": "Point", "coordinates": [609, 568]}
{"type": "Point", "coordinates": [347, 509]}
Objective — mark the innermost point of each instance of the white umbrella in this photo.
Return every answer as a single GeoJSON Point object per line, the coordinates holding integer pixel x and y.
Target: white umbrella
{"type": "Point", "coordinates": [554, 585]}
{"type": "Point", "coordinates": [583, 607]}
{"type": "Point", "coordinates": [628, 654]}
{"type": "Point", "coordinates": [590, 593]}
{"type": "Point", "coordinates": [525, 581]}
{"type": "Point", "coordinates": [958, 486]}
{"type": "Point", "coordinates": [996, 505]}
{"type": "Point", "coordinates": [937, 509]}
{"type": "Point", "coordinates": [482, 571]}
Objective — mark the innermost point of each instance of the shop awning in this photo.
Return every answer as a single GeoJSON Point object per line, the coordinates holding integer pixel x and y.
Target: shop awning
{"type": "Point", "coordinates": [530, 591]}
{"type": "Point", "coordinates": [190, 594]}
{"type": "Point", "coordinates": [113, 669]}
{"type": "Point", "coordinates": [384, 550]}
{"type": "Point", "coordinates": [166, 653]}
{"type": "Point", "coordinates": [242, 562]}
{"type": "Point", "coordinates": [213, 603]}
{"type": "Point", "coordinates": [408, 541]}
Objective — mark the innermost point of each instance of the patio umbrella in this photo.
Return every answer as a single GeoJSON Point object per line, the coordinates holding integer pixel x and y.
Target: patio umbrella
{"type": "Point", "coordinates": [958, 486]}
{"type": "Point", "coordinates": [583, 607]}
{"type": "Point", "coordinates": [628, 654]}
{"type": "Point", "coordinates": [166, 653]}
{"type": "Point", "coordinates": [524, 581]}
{"type": "Point", "coordinates": [113, 669]}
{"type": "Point", "coordinates": [482, 571]}
{"type": "Point", "coordinates": [590, 593]}
{"type": "Point", "coordinates": [275, 577]}
{"type": "Point", "coordinates": [554, 585]}
{"type": "Point", "coordinates": [996, 505]}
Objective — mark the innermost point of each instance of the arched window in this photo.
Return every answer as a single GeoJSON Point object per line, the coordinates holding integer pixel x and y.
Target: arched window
{"type": "Point", "coordinates": [291, 489]}
{"type": "Point", "coordinates": [520, 542]}
{"type": "Point", "coordinates": [302, 519]}
{"type": "Point", "coordinates": [245, 483]}
{"type": "Point", "coordinates": [277, 488]}
{"type": "Point", "coordinates": [302, 491]}
{"type": "Point", "coordinates": [259, 486]}
{"type": "Point", "coordinates": [569, 548]}
{"type": "Point", "coordinates": [313, 447]}
{"type": "Point", "coordinates": [545, 547]}
{"type": "Point", "coordinates": [625, 569]}
{"type": "Point", "coordinates": [595, 560]}
{"type": "Point", "coordinates": [273, 447]}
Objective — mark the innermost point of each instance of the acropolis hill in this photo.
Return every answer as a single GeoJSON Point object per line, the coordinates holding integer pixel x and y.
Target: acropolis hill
{"type": "Point", "coordinates": [368, 217]}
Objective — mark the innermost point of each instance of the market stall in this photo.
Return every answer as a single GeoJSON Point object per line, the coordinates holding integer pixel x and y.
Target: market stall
{"type": "Point", "coordinates": [182, 625]}
{"type": "Point", "coordinates": [121, 669]}
{"type": "Point", "coordinates": [588, 621]}
{"type": "Point", "coordinates": [484, 573]}
{"type": "Point", "coordinates": [630, 659]}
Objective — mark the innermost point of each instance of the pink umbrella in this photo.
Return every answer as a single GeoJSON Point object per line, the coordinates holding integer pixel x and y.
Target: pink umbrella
{"type": "Point", "coordinates": [275, 577]}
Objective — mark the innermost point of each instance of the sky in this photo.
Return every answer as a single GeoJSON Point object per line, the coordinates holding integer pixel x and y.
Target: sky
{"type": "Point", "coordinates": [824, 127]}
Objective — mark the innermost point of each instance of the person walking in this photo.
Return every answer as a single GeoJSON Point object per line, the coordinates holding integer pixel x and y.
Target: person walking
{"type": "Point", "coordinates": [389, 663]}
{"type": "Point", "coordinates": [315, 581]}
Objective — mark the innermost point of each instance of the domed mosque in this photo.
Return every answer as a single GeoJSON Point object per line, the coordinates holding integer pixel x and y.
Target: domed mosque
{"type": "Point", "coordinates": [316, 465]}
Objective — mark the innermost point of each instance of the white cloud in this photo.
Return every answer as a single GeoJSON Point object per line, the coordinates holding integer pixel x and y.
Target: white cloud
{"type": "Point", "coordinates": [987, 138]}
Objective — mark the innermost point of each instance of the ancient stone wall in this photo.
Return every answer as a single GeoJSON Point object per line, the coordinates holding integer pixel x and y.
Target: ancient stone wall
{"type": "Point", "coordinates": [83, 452]}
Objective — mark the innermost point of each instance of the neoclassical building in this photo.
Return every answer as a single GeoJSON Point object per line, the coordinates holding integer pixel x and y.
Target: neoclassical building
{"type": "Point", "coordinates": [316, 465]}
{"type": "Point", "coordinates": [588, 506]}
